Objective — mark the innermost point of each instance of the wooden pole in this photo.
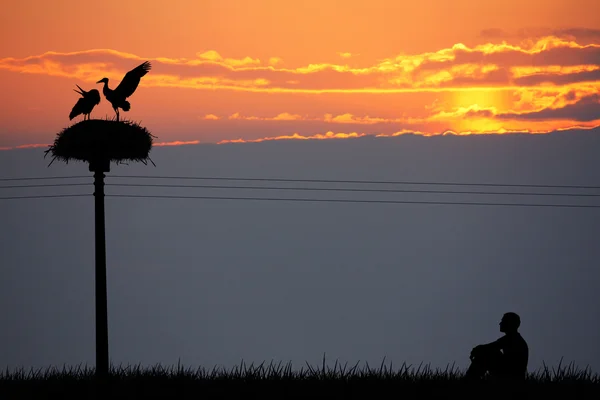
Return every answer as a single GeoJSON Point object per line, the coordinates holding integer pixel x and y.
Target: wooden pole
{"type": "Point", "coordinates": [102, 363]}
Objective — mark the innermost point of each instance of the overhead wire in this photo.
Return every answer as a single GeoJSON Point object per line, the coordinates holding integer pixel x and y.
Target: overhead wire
{"type": "Point", "coordinates": [331, 189]}
{"type": "Point", "coordinates": [374, 182]}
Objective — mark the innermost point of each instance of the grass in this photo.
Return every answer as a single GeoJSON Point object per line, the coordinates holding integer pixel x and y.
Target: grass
{"type": "Point", "coordinates": [282, 381]}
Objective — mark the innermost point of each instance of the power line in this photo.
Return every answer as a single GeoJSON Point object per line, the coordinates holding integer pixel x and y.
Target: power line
{"type": "Point", "coordinates": [356, 181]}
{"type": "Point", "coordinates": [43, 196]}
{"type": "Point", "coordinates": [45, 185]}
{"type": "Point", "coordinates": [353, 190]}
{"type": "Point", "coordinates": [356, 201]}
{"type": "Point", "coordinates": [316, 181]}
{"type": "Point", "coordinates": [309, 189]}
{"type": "Point", "coordinates": [44, 178]}
{"type": "Point", "coordinates": [315, 200]}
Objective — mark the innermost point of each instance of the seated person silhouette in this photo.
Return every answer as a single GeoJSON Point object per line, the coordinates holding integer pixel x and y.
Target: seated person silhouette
{"type": "Point", "coordinates": [506, 358]}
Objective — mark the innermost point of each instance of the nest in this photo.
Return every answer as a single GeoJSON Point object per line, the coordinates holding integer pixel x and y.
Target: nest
{"type": "Point", "coordinates": [98, 141]}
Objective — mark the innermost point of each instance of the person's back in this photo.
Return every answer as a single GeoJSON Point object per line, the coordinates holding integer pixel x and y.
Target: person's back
{"type": "Point", "coordinates": [506, 357]}
{"type": "Point", "coordinates": [515, 355]}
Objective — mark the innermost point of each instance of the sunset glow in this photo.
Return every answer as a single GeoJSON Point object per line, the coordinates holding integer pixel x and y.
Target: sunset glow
{"type": "Point", "coordinates": [234, 71]}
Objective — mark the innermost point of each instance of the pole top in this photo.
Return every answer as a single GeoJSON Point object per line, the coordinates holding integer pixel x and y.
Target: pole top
{"type": "Point", "coordinates": [100, 166]}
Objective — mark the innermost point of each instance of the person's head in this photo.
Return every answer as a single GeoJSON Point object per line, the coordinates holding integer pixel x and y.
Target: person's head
{"type": "Point", "coordinates": [510, 322]}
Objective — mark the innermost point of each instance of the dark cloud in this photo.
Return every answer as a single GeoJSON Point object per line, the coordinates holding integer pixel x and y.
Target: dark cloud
{"type": "Point", "coordinates": [494, 33]}
{"type": "Point", "coordinates": [558, 79]}
{"type": "Point", "coordinates": [479, 114]}
{"type": "Point", "coordinates": [584, 110]}
{"type": "Point", "coordinates": [564, 56]}
{"type": "Point", "coordinates": [496, 77]}
{"type": "Point", "coordinates": [579, 33]}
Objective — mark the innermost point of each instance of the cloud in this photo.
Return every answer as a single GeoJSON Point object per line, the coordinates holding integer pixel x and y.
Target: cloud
{"type": "Point", "coordinates": [346, 118]}
{"type": "Point", "coordinates": [25, 146]}
{"type": "Point", "coordinates": [287, 117]}
{"type": "Point", "coordinates": [403, 132]}
{"type": "Point", "coordinates": [211, 117]}
{"type": "Point", "coordinates": [473, 111]}
{"type": "Point", "coordinates": [177, 143]}
{"type": "Point", "coordinates": [213, 56]}
{"type": "Point", "coordinates": [572, 105]}
{"type": "Point", "coordinates": [330, 135]}
{"type": "Point", "coordinates": [352, 119]}
{"type": "Point", "coordinates": [559, 78]}
{"type": "Point", "coordinates": [581, 34]}
{"type": "Point", "coordinates": [296, 136]}
{"type": "Point", "coordinates": [347, 55]}
{"type": "Point", "coordinates": [545, 52]}
{"type": "Point", "coordinates": [494, 33]}
{"type": "Point", "coordinates": [279, 117]}
{"type": "Point", "coordinates": [33, 146]}
{"type": "Point", "coordinates": [459, 67]}
{"type": "Point", "coordinates": [585, 109]}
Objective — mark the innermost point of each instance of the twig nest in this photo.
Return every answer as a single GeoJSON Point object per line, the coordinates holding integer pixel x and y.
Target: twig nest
{"type": "Point", "coordinates": [99, 142]}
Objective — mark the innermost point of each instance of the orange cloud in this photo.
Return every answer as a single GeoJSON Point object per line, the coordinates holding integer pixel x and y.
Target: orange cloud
{"type": "Point", "coordinates": [548, 60]}
{"type": "Point", "coordinates": [366, 120]}
{"type": "Point", "coordinates": [297, 136]}
{"type": "Point", "coordinates": [570, 106]}
{"type": "Point", "coordinates": [215, 57]}
{"type": "Point", "coordinates": [585, 109]}
{"type": "Point", "coordinates": [346, 118]}
{"type": "Point", "coordinates": [176, 143]}
{"type": "Point", "coordinates": [279, 117]}
{"type": "Point", "coordinates": [211, 117]}
{"type": "Point", "coordinates": [24, 146]}
{"type": "Point", "coordinates": [404, 132]}
{"type": "Point", "coordinates": [355, 135]}
{"type": "Point", "coordinates": [585, 35]}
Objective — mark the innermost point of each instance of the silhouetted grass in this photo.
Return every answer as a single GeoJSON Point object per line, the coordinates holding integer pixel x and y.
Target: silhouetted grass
{"type": "Point", "coordinates": [98, 139]}
{"type": "Point", "coordinates": [281, 381]}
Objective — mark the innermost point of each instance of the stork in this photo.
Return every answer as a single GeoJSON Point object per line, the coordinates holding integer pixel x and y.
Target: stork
{"type": "Point", "coordinates": [85, 104]}
{"type": "Point", "coordinates": [117, 97]}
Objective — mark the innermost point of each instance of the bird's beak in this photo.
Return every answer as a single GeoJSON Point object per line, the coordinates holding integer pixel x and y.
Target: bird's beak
{"type": "Point", "coordinates": [100, 81]}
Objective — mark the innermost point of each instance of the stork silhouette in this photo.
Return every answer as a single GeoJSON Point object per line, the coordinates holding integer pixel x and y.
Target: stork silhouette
{"type": "Point", "coordinates": [85, 104]}
{"type": "Point", "coordinates": [117, 97]}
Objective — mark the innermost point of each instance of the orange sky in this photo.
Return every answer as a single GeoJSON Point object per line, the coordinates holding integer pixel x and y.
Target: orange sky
{"type": "Point", "coordinates": [238, 70]}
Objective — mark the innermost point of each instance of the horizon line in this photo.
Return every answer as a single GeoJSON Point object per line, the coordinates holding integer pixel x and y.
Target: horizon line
{"type": "Point", "coordinates": [340, 135]}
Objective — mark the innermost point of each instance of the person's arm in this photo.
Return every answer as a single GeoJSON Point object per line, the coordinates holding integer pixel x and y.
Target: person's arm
{"type": "Point", "coordinates": [495, 345]}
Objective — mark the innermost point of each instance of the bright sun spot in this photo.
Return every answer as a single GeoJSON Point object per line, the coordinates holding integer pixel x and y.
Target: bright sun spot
{"type": "Point", "coordinates": [479, 100]}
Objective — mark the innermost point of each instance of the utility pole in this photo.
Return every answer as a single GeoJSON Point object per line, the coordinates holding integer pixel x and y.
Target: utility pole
{"type": "Point", "coordinates": [102, 363]}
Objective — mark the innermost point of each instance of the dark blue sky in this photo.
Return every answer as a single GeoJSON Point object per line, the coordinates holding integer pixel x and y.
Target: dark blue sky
{"type": "Point", "coordinates": [212, 282]}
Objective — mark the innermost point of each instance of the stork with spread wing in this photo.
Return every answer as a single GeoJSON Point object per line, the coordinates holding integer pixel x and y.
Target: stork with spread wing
{"type": "Point", "coordinates": [118, 97]}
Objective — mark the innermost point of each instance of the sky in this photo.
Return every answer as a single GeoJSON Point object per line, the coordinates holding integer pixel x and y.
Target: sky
{"type": "Point", "coordinates": [430, 91]}
{"type": "Point", "coordinates": [237, 70]}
